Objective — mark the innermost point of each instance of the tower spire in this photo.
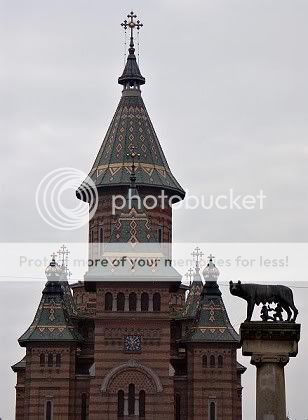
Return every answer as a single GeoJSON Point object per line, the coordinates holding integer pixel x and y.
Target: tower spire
{"type": "Point", "coordinates": [131, 76]}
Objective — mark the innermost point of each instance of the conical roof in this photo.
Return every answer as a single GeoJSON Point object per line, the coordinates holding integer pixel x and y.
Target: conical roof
{"type": "Point", "coordinates": [212, 323]}
{"type": "Point", "coordinates": [131, 129]}
{"type": "Point", "coordinates": [52, 320]}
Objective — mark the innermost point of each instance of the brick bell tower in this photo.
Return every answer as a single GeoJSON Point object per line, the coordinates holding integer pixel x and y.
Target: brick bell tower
{"type": "Point", "coordinates": [131, 372]}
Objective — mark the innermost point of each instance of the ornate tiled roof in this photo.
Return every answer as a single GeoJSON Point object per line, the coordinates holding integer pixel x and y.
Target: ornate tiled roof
{"type": "Point", "coordinates": [52, 320]}
{"type": "Point", "coordinates": [132, 129]}
{"type": "Point", "coordinates": [212, 323]}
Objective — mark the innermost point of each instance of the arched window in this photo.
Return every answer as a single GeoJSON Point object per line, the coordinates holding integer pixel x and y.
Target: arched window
{"type": "Point", "coordinates": [156, 302]}
{"type": "Point", "coordinates": [212, 361]}
{"type": "Point", "coordinates": [58, 360]}
{"type": "Point", "coordinates": [108, 301]}
{"type": "Point", "coordinates": [84, 407]}
{"type": "Point", "coordinates": [204, 360]}
{"type": "Point", "coordinates": [120, 302]}
{"type": "Point", "coordinates": [48, 410]}
{"type": "Point", "coordinates": [220, 361]}
{"type": "Point", "coordinates": [144, 302]}
{"type": "Point", "coordinates": [132, 301]}
{"type": "Point", "coordinates": [42, 359]}
{"type": "Point", "coordinates": [142, 404]}
{"type": "Point", "coordinates": [177, 407]}
{"type": "Point", "coordinates": [50, 360]}
{"type": "Point", "coordinates": [120, 403]}
{"type": "Point", "coordinates": [212, 410]}
{"type": "Point", "coordinates": [131, 399]}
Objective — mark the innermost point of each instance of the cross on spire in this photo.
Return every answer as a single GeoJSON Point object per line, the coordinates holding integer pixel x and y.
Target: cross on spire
{"type": "Point", "coordinates": [53, 256]}
{"type": "Point", "coordinates": [63, 255]}
{"type": "Point", "coordinates": [197, 254]}
{"type": "Point", "coordinates": [211, 257]}
{"type": "Point", "coordinates": [132, 24]}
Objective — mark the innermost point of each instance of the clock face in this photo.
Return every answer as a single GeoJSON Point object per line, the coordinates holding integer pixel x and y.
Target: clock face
{"type": "Point", "coordinates": [132, 343]}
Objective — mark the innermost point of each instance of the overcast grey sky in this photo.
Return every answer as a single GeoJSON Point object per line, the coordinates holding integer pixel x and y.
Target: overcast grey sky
{"type": "Point", "coordinates": [227, 91]}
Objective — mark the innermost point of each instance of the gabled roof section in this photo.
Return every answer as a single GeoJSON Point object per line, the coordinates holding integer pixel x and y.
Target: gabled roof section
{"type": "Point", "coordinates": [52, 320]}
{"type": "Point", "coordinates": [212, 323]}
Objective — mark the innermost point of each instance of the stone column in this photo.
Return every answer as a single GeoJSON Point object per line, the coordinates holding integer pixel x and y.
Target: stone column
{"type": "Point", "coordinates": [270, 345]}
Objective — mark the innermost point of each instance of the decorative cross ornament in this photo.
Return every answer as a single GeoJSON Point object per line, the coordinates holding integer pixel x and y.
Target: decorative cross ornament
{"type": "Point", "coordinates": [132, 24]}
{"type": "Point", "coordinates": [197, 255]}
{"type": "Point", "coordinates": [211, 257]}
{"type": "Point", "coordinates": [53, 256]}
{"type": "Point", "coordinates": [63, 255]}
{"type": "Point", "coordinates": [189, 274]}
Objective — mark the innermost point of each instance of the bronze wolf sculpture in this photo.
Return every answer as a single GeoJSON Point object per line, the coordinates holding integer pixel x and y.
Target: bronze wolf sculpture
{"type": "Point", "coordinates": [254, 294]}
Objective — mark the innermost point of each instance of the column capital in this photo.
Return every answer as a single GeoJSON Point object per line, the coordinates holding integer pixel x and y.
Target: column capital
{"type": "Point", "coordinates": [270, 340]}
{"type": "Point", "coordinates": [258, 359]}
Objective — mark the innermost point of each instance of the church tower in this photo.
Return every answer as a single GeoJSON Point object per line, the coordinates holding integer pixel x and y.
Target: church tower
{"type": "Point", "coordinates": [132, 321]}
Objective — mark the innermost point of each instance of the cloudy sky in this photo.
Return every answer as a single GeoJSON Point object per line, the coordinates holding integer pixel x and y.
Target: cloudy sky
{"type": "Point", "coordinates": [227, 92]}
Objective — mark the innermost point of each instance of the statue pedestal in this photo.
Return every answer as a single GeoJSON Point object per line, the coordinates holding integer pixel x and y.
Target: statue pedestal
{"type": "Point", "coordinates": [270, 345]}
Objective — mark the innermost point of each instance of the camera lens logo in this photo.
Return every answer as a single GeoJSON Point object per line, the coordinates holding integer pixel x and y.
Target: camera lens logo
{"type": "Point", "coordinates": [56, 199]}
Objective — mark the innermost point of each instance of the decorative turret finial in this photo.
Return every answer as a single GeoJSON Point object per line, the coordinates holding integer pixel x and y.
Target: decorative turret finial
{"type": "Point", "coordinates": [211, 272]}
{"type": "Point", "coordinates": [53, 271]}
{"type": "Point", "coordinates": [63, 256]}
{"type": "Point", "coordinates": [197, 254]}
{"type": "Point", "coordinates": [131, 77]}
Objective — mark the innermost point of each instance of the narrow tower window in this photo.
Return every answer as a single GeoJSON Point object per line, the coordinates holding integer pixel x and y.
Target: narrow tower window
{"type": "Point", "coordinates": [212, 361]}
{"type": "Point", "coordinates": [131, 399]}
{"type": "Point", "coordinates": [132, 301]}
{"type": "Point", "coordinates": [156, 302]}
{"type": "Point", "coordinates": [160, 235]}
{"type": "Point", "coordinates": [177, 407]}
{"type": "Point", "coordinates": [58, 360]}
{"type": "Point", "coordinates": [108, 301]}
{"type": "Point", "coordinates": [101, 239]}
{"type": "Point", "coordinates": [220, 361]}
{"type": "Point", "coordinates": [42, 359]}
{"type": "Point", "coordinates": [212, 410]}
{"type": "Point", "coordinates": [84, 407]}
{"type": "Point", "coordinates": [120, 403]}
{"type": "Point", "coordinates": [144, 302]}
{"type": "Point", "coordinates": [50, 360]}
{"type": "Point", "coordinates": [120, 301]}
{"type": "Point", "coordinates": [142, 404]}
{"type": "Point", "coordinates": [204, 360]}
{"type": "Point", "coordinates": [48, 410]}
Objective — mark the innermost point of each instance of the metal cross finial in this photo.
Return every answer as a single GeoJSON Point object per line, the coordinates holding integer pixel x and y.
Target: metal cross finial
{"type": "Point", "coordinates": [197, 255]}
{"type": "Point", "coordinates": [131, 23]}
{"type": "Point", "coordinates": [53, 256]}
{"type": "Point", "coordinates": [63, 255]}
{"type": "Point", "coordinates": [211, 257]}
